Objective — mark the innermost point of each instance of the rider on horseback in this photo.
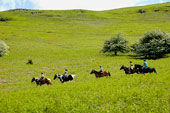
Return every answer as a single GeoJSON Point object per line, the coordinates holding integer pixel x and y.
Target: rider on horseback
{"type": "Point", "coordinates": [65, 75]}
{"type": "Point", "coordinates": [101, 69]}
{"type": "Point", "coordinates": [131, 67]}
{"type": "Point", "coordinates": [42, 77]}
{"type": "Point", "coordinates": [145, 64]}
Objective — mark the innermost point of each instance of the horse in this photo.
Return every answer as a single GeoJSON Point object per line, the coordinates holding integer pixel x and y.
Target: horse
{"type": "Point", "coordinates": [100, 74]}
{"type": "Point", "coordinates": [64, 78]}
{"type": "Point", "coordinates": [36, 80]}
{"type": "Point", "coordinates": [43, 81]}
{"type": "Point", "coordinates": [127, 71]}
{"type": "Point", "coordinates": [145, 69]}
{"type": "Point", "coordinates": [138, 67]}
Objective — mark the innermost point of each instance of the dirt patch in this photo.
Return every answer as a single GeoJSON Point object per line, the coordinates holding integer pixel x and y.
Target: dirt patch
{"type": "Point", "coordinates": [3, 81]}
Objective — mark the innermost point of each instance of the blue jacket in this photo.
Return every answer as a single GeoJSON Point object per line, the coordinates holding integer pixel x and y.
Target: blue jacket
{"type": "Point", "coordinates": [65, 73]}
{"type": "Point", "coordinates": [145, 64]}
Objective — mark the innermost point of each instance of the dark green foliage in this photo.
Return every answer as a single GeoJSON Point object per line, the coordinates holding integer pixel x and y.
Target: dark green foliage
{"type": "Point", "coordinates": [4, 19]}
{"type": "Point", "coordinates": [116, 44]}
{"type": "Point", "coordinates": [153, 44]}
{"type": "Point", "coordinates": [30, 62]}
{"type": "Point", "coordinates": [141, 11]}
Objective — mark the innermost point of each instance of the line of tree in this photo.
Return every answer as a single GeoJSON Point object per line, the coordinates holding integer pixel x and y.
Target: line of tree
{"type": "Point", "coordinates": [153, 44]}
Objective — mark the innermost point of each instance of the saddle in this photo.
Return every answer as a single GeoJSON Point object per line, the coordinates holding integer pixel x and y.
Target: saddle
{"type": "Point", "coordinates": [100, 72]}
{"type": "Point", "coordinates": [132, 71]}
{"type": "Point", "coordinates": [65, 77]}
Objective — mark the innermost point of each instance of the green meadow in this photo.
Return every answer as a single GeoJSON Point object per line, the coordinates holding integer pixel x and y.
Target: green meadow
{"type": "Point", "coordinates": [73, 39]}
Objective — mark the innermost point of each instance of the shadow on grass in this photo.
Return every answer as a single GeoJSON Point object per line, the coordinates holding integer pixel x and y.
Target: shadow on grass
{"type": "Point", "coordinates": [112, 54]}
{"type": "Point", "coordinates": [133, 56]}
{"type": "Point", "coordinates": [149, 58]}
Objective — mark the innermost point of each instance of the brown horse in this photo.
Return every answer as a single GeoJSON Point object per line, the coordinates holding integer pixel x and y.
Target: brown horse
{"type": "Point", "coordinates": [43, 81]}
{"type": "Point", "coordinates": [100, 74]}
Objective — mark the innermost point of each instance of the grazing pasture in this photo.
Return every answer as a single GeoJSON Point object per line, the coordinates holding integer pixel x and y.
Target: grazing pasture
{"type": "Point", "coordinates": [73, 39]}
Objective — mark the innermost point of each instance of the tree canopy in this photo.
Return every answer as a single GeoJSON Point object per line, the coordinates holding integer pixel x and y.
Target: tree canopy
{"type": "Point", "coordinates": [116, 44]}
{"type": "Point", "coordinates": [154, 44]}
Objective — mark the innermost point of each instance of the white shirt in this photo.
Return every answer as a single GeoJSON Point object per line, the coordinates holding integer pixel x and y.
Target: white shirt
{"type": "Point", "coordinates": [42, 75]}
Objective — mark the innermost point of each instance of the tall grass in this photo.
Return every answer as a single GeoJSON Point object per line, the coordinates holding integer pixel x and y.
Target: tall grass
{"type": "Point", "coordinates": [72, 39]}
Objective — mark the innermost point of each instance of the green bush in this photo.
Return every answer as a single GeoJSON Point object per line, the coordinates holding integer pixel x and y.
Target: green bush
{"type": "Point", "coordinates": [3, 48]}
{"type": "Point", "coordinates": [154, 44]}
{"type": "Point", "coordinates": [116, 44]}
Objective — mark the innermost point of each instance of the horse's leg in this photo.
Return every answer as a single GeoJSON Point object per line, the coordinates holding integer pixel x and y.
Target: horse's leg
{"type": "Point", "coordinates": [154, 70]}
{"type": "Point", "coordinates": [97, 75]}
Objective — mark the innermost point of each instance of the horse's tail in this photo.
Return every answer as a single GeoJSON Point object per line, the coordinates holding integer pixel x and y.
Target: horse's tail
{"type": "Point", "coordinates": [74, 76]}
{"type": "Point", "coordinates": [109, 73]}
{"type": "Point", "coordinates": [154, 70]}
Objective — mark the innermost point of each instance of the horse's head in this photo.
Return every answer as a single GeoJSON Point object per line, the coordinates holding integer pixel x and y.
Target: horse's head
{"type": "Point", "coordinates": [154, 70]}
{"type": "Point", "coordinates": [92, 71]}
{"type": "Point", "coordinates": [55, 76]}
{"type": "Point", "coordinates": [122, 67]}
{"type": "Point", "coordinates": [138, 66]}
{"type": "Point", "coordinates": [33, 79]}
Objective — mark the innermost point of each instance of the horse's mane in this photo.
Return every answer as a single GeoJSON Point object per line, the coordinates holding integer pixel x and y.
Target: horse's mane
{"type": "Point", "coordinates": [124, 66]}
{"type": "Point", "coordinates": [93, 70]}
{"type": "Point", "coordinates": [36, 78]}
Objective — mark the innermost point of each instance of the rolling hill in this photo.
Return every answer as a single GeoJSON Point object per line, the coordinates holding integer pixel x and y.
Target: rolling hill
{"type": "Point", "coordinates": [73, 39]}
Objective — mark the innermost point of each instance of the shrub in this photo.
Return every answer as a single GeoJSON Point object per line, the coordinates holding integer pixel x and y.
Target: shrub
{"type": "Point", "coordinates": [116, 44]}
{"type": "Point", "coordinates": [141, 11]}
{"type": "Point", "coordinates": [154, 44]}
{"type": "Point", "coordinates": [30, 62]}
{"type": "Point", "coordinates": [4, 19]}
{"type": "Point", "coordinates": [3, 48]}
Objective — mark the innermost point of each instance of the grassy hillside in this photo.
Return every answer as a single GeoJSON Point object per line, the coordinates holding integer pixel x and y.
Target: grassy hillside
{"type": "Point", "coordinates": [72, 39]}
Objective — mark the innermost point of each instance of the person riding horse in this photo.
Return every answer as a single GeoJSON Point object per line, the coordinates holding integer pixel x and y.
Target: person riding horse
{"type": "Point", "coordinates": [101, 69]}
{"type": "Point", "coordinates": [65, 75]}
{"type": "Point", "coordinates": [131, 67]}
{"type": "Point", "coordinates": [145, 65]}
{"type": "Point", "coordinates": [42, 77]}
{"type": "Point", "coordinates": [144, 68]}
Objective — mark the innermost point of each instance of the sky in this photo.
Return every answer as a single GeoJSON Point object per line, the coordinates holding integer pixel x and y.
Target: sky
{"type": "Point", "coordinates": [73, 4]}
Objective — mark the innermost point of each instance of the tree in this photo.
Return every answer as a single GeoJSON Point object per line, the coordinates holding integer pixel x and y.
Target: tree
{"type": "Point", "coordinates": [3, 48]}
{"type": "Point", "coordinates": [154, 44]}
{"type": "Point", "coordinates": [116, 44]}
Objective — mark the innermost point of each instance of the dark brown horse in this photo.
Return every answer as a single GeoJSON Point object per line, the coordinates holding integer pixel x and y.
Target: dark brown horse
{"type": "Point", "coordinates": [43, 81]}
{"type": "Point", "coordinates": [145, 69]}
{"type": "Point", "coordinates": [127, 70]}
{"type": "Point", "coordinates": [100, 74]}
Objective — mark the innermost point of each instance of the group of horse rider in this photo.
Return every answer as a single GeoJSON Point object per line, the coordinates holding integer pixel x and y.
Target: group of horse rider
{"type": "Point", "coordinates": [145, 65]}
{"type": "Point", "coordinates": [65, 74]}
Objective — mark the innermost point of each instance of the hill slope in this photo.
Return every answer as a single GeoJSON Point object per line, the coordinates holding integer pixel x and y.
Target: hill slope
{"type": "Point", "coordinates": [72, 39]}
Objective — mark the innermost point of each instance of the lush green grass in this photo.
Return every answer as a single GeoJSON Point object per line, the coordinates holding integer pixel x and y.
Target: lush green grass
{"type": "Point", "coordinates": [72, 39]}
